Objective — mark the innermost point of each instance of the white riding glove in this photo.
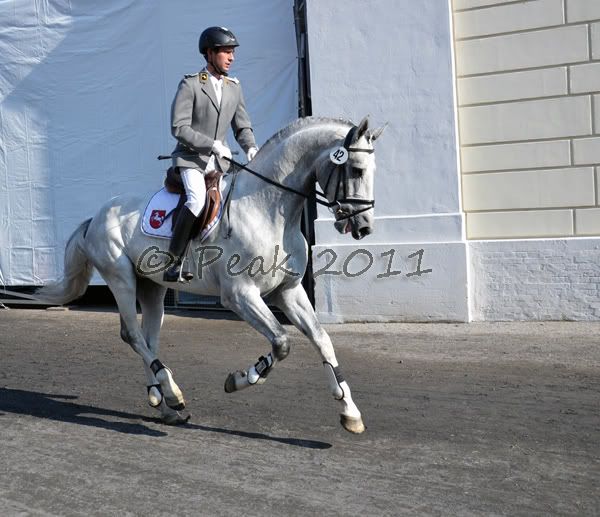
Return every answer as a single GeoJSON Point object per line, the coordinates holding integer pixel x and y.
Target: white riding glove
{"type": "Point", "coordinates": [251, 153]}
{"type": "Point", "coordinates": [221, 150]}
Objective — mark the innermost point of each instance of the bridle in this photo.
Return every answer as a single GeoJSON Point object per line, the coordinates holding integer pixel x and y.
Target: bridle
{"type": "Point", "coordinates": [342, 184]}
{"type": "Point", "coordinates": [342, 177]}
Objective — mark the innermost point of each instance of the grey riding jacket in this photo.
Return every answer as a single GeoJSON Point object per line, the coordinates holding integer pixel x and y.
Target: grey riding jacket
{"type": "Point", "coordinates": [197, 120]}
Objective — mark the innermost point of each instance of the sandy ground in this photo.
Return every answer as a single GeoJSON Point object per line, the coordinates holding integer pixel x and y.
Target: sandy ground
{"type": "Point", "coordinates": [478, 419]}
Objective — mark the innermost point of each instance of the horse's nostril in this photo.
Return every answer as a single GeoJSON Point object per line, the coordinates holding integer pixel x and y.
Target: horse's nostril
{"type": "Point", "coordinates": [364, 231]}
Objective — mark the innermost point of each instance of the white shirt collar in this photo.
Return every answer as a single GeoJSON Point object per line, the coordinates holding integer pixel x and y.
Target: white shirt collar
{"type": "Point", "coordinates": [217, 86]}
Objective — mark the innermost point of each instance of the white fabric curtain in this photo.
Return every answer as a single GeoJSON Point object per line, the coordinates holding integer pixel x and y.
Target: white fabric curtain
{"type": "Point", "coordinates": [85, 96]}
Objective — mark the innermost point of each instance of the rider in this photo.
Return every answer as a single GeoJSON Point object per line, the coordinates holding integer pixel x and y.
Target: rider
{"type": "Point", "coordinates": [205, 104]}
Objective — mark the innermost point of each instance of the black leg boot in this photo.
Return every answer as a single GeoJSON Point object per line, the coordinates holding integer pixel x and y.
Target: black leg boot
{"type": "Point", "coordinates": [178, 245]}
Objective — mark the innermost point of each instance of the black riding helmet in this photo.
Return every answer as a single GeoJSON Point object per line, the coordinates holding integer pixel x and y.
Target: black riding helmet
{"type": "Point", "coordinates": [214, 37]}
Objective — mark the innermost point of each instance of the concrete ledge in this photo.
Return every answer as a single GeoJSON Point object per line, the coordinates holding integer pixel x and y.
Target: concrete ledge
{"type": "Point", "coordinates": [403, 228]}
{"type": "Point", "coordinates": [391, 282]}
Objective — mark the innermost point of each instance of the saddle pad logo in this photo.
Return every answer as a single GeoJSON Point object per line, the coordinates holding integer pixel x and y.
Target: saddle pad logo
{"type": "Point", "coordinates": [157, 218]}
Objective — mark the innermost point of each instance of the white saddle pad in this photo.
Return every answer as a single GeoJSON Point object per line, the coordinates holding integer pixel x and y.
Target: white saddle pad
{"type": "Point", "coordinates": [157, 220]}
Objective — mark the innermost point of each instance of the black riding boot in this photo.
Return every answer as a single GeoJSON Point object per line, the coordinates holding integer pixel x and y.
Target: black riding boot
{"type": "Point", "coordinates": [178, 245]}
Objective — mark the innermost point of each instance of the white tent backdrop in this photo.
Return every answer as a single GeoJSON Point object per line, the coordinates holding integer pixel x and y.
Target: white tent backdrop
{"type": "Point", "coordinates": [85, 95]}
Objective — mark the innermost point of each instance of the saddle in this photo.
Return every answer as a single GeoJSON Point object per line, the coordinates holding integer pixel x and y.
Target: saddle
{"type": "Point", "coordinates": [211, 211]}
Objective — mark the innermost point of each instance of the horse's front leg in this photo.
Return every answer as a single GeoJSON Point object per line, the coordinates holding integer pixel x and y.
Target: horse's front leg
{"type": "Point", "coordinates": [294, 302]}
{"type": "Point", "coordinates": [249, 305]}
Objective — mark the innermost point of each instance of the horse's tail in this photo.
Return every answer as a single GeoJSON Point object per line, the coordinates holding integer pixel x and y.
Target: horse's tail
{"type": "Point", "coordinates": [77, 271]}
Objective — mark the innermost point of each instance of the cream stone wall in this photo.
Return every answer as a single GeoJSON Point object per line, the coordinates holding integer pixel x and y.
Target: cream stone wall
{"type": "Point", "coordinates": [528, 92]}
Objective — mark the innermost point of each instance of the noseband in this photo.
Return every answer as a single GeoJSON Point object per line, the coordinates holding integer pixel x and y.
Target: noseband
{"type": "Point", "coordinates": [342, 185]}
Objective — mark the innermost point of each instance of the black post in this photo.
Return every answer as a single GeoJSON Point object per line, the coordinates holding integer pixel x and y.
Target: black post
{"type": "Point", "coordinates": [305, 110]}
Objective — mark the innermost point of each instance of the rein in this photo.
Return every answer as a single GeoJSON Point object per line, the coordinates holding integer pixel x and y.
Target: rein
{"type": "Point", "coordinates": [342, 177]}
{"type": "Point", "coordinates": [341, 183]}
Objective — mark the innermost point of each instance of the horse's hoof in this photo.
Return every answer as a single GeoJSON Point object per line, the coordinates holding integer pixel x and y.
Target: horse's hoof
{"type": "Point", "coordinates": [352, 424]}
{"type": "Point", "coordinates": [175, 419]}
{"type": "Point", "coordinates": [154, 395]}
{"type": "Point", "coordinates": [171, 392]}
{"type": "Point", "coordinates": [230, 383]}
{"type": "Point", "coordinates": [175, 403]}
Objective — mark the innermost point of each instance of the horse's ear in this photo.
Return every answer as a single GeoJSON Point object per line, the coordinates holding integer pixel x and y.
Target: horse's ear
{"type": "Point", "coordinates": [376, 133]}
{"type": "Point", "coordinates": [362, 127]}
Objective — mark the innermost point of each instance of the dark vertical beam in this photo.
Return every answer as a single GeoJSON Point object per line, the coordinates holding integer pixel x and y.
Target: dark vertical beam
{"type": "Point", "coordinates": [305, 110]}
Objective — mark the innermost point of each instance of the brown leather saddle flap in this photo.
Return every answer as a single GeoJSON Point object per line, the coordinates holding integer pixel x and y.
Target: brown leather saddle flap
{"type": "Point", "coordinates": [212, 205]}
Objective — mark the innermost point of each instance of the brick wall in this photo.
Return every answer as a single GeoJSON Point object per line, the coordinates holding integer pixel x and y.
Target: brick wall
{"type": "Point", "coordinates": [535, 279]}
{"type": "Point", "coordinates": [528, 88]}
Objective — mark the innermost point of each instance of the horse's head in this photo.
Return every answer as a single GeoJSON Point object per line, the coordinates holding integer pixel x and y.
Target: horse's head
{"type": "Point", "coordinates": [346, 177]}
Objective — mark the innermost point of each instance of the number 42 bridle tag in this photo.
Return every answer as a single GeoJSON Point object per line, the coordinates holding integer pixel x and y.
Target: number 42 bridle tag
{"type": "Point", "coordinates": [339, 156]}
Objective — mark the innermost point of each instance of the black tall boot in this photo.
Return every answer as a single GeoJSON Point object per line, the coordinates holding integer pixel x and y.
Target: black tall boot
{"type": "Point", "coordinates": [178, 245]}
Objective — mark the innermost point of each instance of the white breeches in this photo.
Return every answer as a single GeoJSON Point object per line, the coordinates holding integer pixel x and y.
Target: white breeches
{"type": "Point", "coordinates": [193, 181]}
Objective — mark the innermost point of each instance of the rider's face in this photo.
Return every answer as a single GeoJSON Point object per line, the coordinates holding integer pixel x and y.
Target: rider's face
{"type": "Point", "coordinates": [222, 57]}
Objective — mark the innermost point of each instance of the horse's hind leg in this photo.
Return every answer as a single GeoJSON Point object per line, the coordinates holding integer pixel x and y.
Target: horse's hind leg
{"type": "Point", "coordinates": [249, 305]}
{"type": "Point", "coordinates": [151, 299]}
{"type": "Point", "coordinates": [121, 280]}
{"type": "Point", "coordinates": [295, 304]}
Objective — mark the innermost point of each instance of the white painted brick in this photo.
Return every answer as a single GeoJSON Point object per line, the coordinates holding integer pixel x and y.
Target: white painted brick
{"type": "Point", "coordinates": [563, 284]}
{"type": "Point", "coordinates": [596, 40]}
{"type": "Point", "coordinates": [582, 10]}
{"type": "Point", "coordinates": [508, 18]}
{"type": "Point", "coordinates": [525, 155]}
{"type": "Point", "coordinates": [513, 86]}
{"type": "Point", "coordinates": [557, 46]}
{"type": "Point", "coordinates": [549, 118]}
{"type": "Point", "coordinates": [468, 4]}
{"type": "Point", "coordinates": [516, 224]}
{"type": "Point", "coordinates": [529, 189]}
{"type": "Point", "coordinates": [585, 78]}
{"type": "Point", "coordinates": [587, 221]}
{"type": "Point", "coordinates": [586, 151]}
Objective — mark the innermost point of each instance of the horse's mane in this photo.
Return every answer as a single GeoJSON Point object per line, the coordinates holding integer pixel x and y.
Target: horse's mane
{"type": "Point", "coordinates": [300, 124]}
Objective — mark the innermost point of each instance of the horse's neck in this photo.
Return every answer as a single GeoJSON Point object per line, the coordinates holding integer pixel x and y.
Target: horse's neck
{"type": "Point", "coordinates": [290, 163]}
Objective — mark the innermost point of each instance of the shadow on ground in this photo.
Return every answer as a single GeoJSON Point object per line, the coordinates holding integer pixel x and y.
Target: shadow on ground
{"type": "Point", "coordinates": [58, 407]}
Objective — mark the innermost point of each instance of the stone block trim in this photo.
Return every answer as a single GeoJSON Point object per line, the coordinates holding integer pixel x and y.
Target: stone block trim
{"type": "Point", "coordinates": [460, 5]}
{"type": "Point", "coordinates": [585, 78]}
{"type": "Point", "coordinates": [531, 84]}
{"type": "Point", "coordinates": [522, 155]}
{"type": "Point", "coordinates": [595, 29]}
{"type": "Point", "coordinates": [582, 10]}
{"type": "Point", "coordinates": [587, 221]}
{"type": "Point", "coordinates": [532, 49]}
{"type": "Point", "coordinates": [508, 18]}
{"type": "Point", "coordinates": [528, 95]}
{"type": "Point", "coordinates": [513, 224]}
{"type": "Point", "coordinates": [559, 188]}
{"type": "Point", "coordinates": [586, 151]}
{"type": "Point", "coordinates": [526, 120]}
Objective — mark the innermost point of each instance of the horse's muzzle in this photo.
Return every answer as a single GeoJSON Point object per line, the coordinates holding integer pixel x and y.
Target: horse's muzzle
{"type": "Point", "coordinates": [363, 231]}
{"type": "Point", "coordinates": [360, 226]}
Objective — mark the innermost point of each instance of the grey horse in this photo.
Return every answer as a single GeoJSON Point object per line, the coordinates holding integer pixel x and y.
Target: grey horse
{"type": "Point", "coordinates": [261, 228]}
